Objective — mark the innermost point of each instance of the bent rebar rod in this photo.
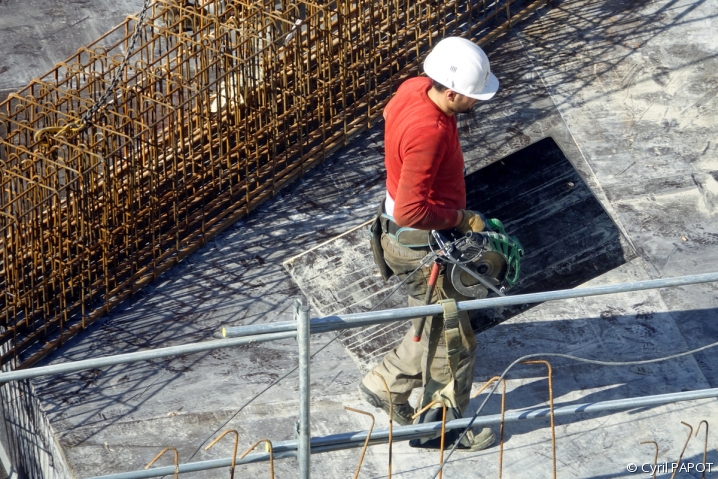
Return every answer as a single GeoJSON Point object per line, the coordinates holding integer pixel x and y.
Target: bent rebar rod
{"type": "Point", "coordinates": [680, 458]}
{"type": "Point", "coordinates": [368, 436]}
{"type": "Point", "coordinates": [356, 439]}
{"type": "Point", "coordinates": [346, 321]}
{"type": "Point", "coordinates": [234, 454]}
{"type": "Point", "coordinates": [655, 458]}
{"type": "Point", "coordinates": [551, 414]}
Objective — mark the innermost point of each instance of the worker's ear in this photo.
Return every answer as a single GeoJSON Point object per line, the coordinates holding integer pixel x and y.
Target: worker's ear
{"type": "Point", "coordinates": [451, 95]}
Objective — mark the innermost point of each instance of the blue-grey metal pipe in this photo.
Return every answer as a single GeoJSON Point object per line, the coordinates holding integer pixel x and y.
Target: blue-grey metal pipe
{"type": "Point", "coordinates": [350, 440]}
{"type": "Point", "coordinates": [284, 330]}
{"type": "Point", "coordinates": [74, 366]}
{"type": "Point", "coordinates": [304, 437]}
{"type": "Point", "coordinates": [347, 321]}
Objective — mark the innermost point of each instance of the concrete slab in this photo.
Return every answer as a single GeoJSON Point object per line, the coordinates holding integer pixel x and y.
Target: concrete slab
{"type": "Point", "coordinates": [627, 91]}
{"type": "Point", "coordinates": [37, 34]}
{"type": "Point", "coordinates": [635, 92]}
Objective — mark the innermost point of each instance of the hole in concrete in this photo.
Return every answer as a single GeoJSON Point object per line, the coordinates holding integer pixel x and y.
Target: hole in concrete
{"type": "Point", "coordinates": [543, 201]}
{"type": "Point", "coordinates": [540, 198]}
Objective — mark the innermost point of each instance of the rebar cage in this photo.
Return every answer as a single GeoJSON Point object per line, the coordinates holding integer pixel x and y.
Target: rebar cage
{"type": "Point", "coordinates": [221, 104]}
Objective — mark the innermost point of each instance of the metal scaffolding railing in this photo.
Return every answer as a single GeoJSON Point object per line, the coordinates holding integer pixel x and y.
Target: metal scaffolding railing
{"type": "Point", "coordinates": [349, 440]}
{"type": "Point", "coordinates": [288, 329]}
{"type": "Point", "coordinates": [304, 326]}
{"type": "Point", "coordinates": [221, 104]}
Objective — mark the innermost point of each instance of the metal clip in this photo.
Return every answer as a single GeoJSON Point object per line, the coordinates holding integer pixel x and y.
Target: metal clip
{"type": "Point", "coordinates": [57, 131]}
{"type": "Point", "coordinates": [292, 32]}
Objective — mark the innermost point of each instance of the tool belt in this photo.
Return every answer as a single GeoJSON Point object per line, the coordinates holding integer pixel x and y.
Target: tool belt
{"type": "Point", "coordinates": [409, 237]}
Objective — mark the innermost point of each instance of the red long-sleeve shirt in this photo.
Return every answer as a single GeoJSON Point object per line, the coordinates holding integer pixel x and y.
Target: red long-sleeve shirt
{"type": "Point", "coordinates": [424, 163]}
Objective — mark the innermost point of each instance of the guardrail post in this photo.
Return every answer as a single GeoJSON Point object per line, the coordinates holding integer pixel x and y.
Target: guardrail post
{"type": "Point", "coordinates": [301, 313]}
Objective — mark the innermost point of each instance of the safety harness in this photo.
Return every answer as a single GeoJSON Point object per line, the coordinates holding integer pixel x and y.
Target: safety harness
{"type": "Point", "coordinates": [454, 321]}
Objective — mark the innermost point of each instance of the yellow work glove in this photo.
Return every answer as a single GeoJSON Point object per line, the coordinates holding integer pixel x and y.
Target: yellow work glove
{"type": "Point", "coordinates": [473, 221]}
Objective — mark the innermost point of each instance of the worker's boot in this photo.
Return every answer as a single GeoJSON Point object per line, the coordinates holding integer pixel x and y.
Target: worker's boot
{"type": "Point", "coordinates": [401, 412]}
{"type": "Point", "coordinates": [472, 440]}
{"type": "Point", "coordinates": [476, 441]}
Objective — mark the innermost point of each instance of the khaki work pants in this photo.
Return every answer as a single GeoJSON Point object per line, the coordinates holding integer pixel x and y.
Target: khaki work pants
{"type": "Point", "coordinates": [425, 363]}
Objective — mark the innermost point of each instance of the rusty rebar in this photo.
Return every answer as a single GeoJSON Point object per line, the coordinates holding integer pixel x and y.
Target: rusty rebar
{"type": "Point", "coordinates": [503, 412]}
{"type": "Point", "coordinates": [550, 404]}
{"type": "Point", "coordinates": [214, 112]}
{"type": "Point", "coordinates": [391, 417]}
{"type": "Point", "coordinates": [705, 445]}
{"type": "Point", "coordinates": [680, 458]}
{"type": "Point", "coordinates": [368, 437]}
{"type": "Point", "coordinates": [176, 460]}
{"type": "Point", "coordinates": [234, 453]}
{"type": "Point", "coordinates": [486, 385]}
{"type": "Point", "coordinates": [269, 450]}
{"type": "Point", "coordinates": [443, 429]}
{"type": "Point", "coordinates": [655, 458]}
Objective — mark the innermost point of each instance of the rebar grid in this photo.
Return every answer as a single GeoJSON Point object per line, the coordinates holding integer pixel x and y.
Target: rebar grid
{"type": "Point", "coordinates": [221, 105]}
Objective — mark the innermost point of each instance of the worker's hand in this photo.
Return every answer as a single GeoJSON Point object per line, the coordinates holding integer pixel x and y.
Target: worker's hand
{"type": "Point", "coordinates": [473, 221]}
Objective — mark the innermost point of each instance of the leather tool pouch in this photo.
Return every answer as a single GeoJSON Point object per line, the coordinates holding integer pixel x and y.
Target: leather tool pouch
{"type": "Point", "coordinates": [376, 248]}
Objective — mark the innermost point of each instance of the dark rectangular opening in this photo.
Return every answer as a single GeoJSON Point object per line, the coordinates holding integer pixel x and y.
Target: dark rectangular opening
{"type": "Point", "coordinates": [543, 201]}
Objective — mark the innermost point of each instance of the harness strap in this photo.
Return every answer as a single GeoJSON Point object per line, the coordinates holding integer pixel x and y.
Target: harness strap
{"type": "Point", "coordinates": [452, 334]}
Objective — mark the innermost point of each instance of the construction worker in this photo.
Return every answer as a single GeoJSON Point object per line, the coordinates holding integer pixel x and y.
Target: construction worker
{"type": "Point", "coordinates": [426, 191]}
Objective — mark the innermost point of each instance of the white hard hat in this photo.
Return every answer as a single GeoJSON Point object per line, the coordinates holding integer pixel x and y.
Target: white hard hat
{"type": "Point", "coordinates": [461, 65]}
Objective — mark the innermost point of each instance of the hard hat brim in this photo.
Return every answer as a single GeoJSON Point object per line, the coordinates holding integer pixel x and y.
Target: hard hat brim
{"type": "Point", "coordinates": [490, 89]}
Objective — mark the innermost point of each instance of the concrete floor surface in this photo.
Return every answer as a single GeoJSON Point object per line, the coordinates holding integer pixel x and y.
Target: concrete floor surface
{"type": "Point", "coordinates": [628, 91]}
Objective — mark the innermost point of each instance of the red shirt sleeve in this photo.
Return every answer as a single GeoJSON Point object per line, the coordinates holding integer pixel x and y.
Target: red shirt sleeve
{"type": "Point", "coordinates": [421, 148]}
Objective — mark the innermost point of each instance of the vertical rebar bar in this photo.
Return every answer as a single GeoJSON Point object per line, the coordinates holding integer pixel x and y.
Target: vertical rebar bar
{"type": "Point", "coordinates": [366, 442]}
{"type": "Point", "coordinates": [655, 458]}
{"type": "Point", "coordinates": [443, 430]}
{"type": "Point", "coordinates": [391, 418]}
{"type": "Point", "coordinates": [705, 446]}
{"type": "Point", "coordinates": [680, 458]}
{"type": "Point", "coordinates": [551, 412]}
